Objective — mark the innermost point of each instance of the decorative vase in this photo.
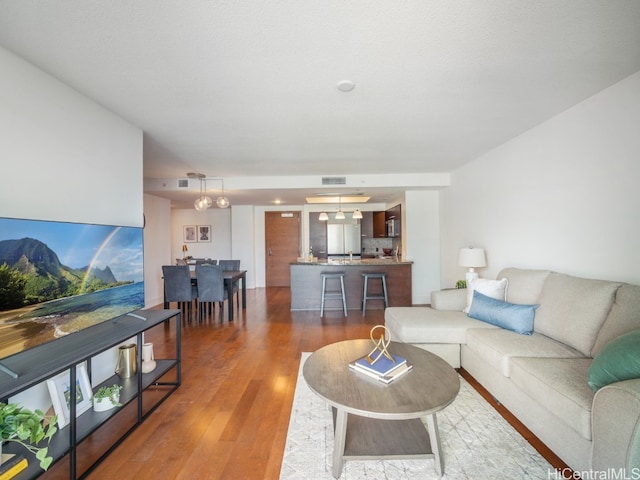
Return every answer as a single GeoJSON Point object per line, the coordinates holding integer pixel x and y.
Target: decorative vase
{"type": "Point", "coordinates": [105, 403]}
{"type": "Point", "coordinates": [127, 365]}
{"type": "Point", "coordinates": [148, 361]}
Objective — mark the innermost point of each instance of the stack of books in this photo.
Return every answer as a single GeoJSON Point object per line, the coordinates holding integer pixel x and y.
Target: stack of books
{"type": "Point", "coordinates": [12, 465]}
{"type": "Point", "coordinates": [381, 368]}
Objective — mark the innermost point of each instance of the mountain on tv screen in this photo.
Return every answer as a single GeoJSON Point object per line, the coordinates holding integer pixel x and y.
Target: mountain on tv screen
{"type": "Point", "coordinates": [58, 278]}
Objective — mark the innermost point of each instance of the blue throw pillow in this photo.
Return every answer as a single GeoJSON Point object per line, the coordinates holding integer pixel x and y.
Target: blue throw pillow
{"type": "Point", "coordinates": [517, 318]}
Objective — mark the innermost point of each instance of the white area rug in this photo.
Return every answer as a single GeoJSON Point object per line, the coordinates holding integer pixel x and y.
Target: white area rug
{"type": "Point", "coordinates": [477, 444]}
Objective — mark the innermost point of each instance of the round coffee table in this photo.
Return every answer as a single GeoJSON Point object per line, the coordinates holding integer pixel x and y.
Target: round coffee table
{"type": "Point", "coordinates": [362, 406]}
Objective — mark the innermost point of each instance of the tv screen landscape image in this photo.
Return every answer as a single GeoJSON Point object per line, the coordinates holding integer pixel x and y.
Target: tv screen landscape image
{"type": "Point", "coordinates": [58, 278]}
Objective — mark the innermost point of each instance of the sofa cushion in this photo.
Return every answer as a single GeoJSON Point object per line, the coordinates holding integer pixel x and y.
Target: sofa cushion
{"type": "Point", "coordinates": [525, 285]}
{"type": "Point", "coordinates": [498, 346]}
{"type": "Point", "coordinates": [426, 325]}
{"type": "Point", "coordinates": [623, 317]}
{"type": "Point", "coordinates": [558, 384]}
{"type": "Point", "coordinates": [517, 318]}
{"type": "Point", "coordinates": [572, 310]}
{"type": "Point", "coordinates": [491, 288]}
{"type": "Point", "coordinates": [618, 360]}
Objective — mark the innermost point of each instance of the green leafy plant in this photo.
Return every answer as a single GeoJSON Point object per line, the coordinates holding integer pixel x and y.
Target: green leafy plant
{"type": "Point", "coordinates": [27, 428]}
{"type": "Point", "coordinates": [112, 393]}
{"type": "Point", "coordinates": [461, 284]}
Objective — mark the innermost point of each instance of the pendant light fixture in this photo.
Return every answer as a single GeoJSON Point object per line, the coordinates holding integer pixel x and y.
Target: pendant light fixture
{"type": "Point", "coordinates": [203, 202]}
{"type": "Point", "coordinates": [357, 215]}
{"type": "Point", "coordinates": [222, 201]}
{"type": "Point", "coordinates": [323, 217]}
{"type": "Point", "coordinates": [340, 213]}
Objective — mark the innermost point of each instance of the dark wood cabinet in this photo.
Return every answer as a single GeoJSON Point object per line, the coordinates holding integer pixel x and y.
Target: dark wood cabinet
{"type": "Point", "coordinates": [366, 225]}
{"type": "Point", "coordinates": [379, 225]}
{"type": "Point", "coordinates": [317, 235]}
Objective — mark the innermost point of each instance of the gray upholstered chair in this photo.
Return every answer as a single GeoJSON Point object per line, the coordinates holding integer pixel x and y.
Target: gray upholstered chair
{"type": "Point", "coordinates": [210, 288]}
{"type": "Point", "coordinates": [206, 261]}
{"type": "Point", "coordinates": [178, 287]}
{"type": "Point", "coordinates": [233, 266]}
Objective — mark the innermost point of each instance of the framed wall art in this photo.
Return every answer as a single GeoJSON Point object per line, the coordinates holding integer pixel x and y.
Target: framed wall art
{"type": "Point", "coordinates": [204, 233]}
{"type": "Point", "coordinates": [190, 233]}
{"type": "Point", "coordinates": [60, 391]}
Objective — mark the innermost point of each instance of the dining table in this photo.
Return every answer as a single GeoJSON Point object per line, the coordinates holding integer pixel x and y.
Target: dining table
{"type": "Point", "coordinates": [230, 277]}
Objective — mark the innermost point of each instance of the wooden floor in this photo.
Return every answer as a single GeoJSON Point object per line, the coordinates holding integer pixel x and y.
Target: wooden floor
{"type": "Point", "coordinates": [229, 418]}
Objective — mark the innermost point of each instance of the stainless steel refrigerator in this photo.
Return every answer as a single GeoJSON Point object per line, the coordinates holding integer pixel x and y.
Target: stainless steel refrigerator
{"type": "Point", "coordinates": [343, 238]}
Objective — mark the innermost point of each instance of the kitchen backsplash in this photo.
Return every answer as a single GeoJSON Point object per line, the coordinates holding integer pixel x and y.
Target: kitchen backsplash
{"type": "Point", "coordinates": [375, 245]}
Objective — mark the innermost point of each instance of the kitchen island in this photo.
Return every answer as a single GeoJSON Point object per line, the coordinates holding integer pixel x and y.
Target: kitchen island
{"type": "Point", "coordinates": [306, 283]}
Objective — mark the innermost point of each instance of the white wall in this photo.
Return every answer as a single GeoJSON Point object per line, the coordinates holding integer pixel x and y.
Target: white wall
{"type": "Point", "coordinates": [64, 158]}
{"type": "Point", "coordinates": [564, 195]}
{"type": "Point", "coordinates": [157, 247]}
{"type": "Point", "coordinates": [421, 239]}
{"type": "Point", "coordinates": [220, 245]}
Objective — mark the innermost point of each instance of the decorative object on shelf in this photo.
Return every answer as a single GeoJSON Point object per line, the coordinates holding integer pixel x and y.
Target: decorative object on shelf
{"type": "Point", "coordinates": [461, 284]}
{"type": "Point", "coordinates": [60, 392]}
{"type": "Point", "coordinates": [11, 464]}
{"type": "Point", "coordinates": [27, 428]}
{"type": "Point", "coordinates": [127, 365]}
{"type": "Point", "coordinates": [472, 258]}
{"type": "Point", "coordinates": [107, 398]}
{"type": "Point", "coordinates": [148, 359]}
{"type": "Point", "coordinates": [380, 364]}
{"type": "Point", "coordinates": [184, 252]}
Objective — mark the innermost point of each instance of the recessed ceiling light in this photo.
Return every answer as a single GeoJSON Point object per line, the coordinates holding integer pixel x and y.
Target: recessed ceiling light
{"type": "Point", "coordinates": [346, 85]}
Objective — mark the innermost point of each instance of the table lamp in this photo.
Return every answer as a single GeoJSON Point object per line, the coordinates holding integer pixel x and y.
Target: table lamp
{"type": "Point", "coordinates": [472, 258]}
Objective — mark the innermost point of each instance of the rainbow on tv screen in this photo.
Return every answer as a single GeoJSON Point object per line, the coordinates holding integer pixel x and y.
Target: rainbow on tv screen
{"type": "Point", "coordinates": [58, 278]}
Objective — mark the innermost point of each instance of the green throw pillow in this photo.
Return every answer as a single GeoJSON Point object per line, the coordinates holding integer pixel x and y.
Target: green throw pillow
{"type": "Point", "coordinates": [618, 360]}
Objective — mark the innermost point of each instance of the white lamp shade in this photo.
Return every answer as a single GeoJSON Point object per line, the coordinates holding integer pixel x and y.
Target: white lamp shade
{"type": "Point", "coordinates": [472, 257]}
{"type": "Point", "coordinates": [340, 215]}
{"type": "Point", "coordinates": [323, 217]}
{"type": "Point", "coordinates": [357, 214]}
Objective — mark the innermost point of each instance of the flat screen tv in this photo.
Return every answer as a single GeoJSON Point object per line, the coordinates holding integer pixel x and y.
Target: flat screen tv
{"type": "Point", "coordinates": [58, 278]}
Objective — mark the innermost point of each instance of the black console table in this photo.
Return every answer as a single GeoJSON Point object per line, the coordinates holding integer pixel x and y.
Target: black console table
{"type": "Point", "coordinates": [140, 395]}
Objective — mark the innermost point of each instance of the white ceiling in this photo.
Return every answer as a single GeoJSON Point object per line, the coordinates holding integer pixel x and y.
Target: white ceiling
{"type": "Point", "coordinates": [237, 89]}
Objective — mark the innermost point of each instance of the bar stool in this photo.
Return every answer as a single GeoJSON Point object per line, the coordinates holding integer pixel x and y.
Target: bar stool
{"type": "Point", "coordinates": [329, 294]}
{"type": "Point", "coordinates": [365, 293]}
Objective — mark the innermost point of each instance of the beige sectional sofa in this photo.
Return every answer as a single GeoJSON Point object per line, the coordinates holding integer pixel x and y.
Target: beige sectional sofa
{"type": "Point", "coordinates": [542, 377]}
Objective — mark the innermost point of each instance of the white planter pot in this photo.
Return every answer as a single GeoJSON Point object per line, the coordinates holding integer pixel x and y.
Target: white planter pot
{"type": "Point", "coordinates": [103, 404]}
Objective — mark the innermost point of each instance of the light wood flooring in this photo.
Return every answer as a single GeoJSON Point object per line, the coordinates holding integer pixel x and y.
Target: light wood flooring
{"type": "Point", "coordinates": [229, 418]}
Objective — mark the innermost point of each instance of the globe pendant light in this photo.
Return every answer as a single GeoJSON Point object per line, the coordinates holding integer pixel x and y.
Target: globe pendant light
{"type": "Point", "coordinates": [222, 201]}
{"type": "Point", "coordinates": [203, 202]}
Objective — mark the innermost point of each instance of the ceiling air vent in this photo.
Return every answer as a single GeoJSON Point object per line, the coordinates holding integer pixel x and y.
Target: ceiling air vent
{"type": "Point", "coordinates": [334, 180]}
{"type": "Point", "coordinates": [183, 183]}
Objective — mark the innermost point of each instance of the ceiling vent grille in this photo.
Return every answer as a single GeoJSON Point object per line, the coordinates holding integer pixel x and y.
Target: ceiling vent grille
{"type": "Point", "coordinates": [183, 183]}
{"type": "Point", "coordinates": [334, 180]}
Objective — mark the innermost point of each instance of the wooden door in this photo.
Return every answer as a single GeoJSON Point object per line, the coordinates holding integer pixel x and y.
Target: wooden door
{"type": "Point", "coordinates": [282, 239]}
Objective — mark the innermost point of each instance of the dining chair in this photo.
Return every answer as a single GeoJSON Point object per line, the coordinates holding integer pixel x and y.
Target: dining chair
{"type": "Point", "coordinates": [234, 266]}
{"type": "Point", "coordinates": [210, 288]}
{"type": "Point", "coordinates": [178, 287]}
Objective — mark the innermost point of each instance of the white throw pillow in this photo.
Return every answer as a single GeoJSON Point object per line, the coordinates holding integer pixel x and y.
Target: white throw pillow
{"type": "Point", "coordinates": [491, 288]}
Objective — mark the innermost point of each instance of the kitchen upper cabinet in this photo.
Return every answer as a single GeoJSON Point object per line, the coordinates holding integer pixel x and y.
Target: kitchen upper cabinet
{"type": "Point", "coordinates": [317, 235]}
{"type": "Point", "coordinates": [392, 220]}
{"type": "Point", "coordinates": [379, 225]}
{"type": "Point", "coordinates": [366, 225]}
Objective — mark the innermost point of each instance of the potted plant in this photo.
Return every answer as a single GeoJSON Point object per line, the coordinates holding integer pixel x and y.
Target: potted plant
{"type": "Point", "coordinates": [27, 428]}
{"type": "Point", "coordinates": [107, 398]}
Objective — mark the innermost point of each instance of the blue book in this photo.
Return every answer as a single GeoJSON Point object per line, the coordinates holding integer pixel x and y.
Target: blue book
{"type": "Point", "coordinates": [382, 366]}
